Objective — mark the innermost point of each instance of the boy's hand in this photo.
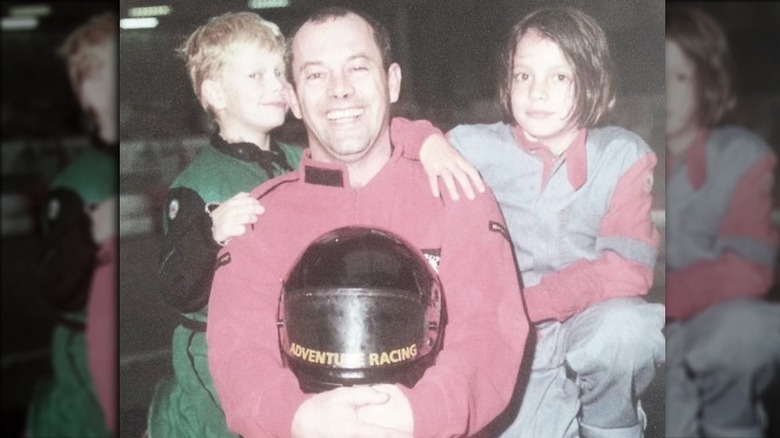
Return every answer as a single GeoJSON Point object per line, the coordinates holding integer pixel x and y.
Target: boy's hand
{"type": "Point", "coordinates": [440, 159]}
{"type": "Point", "coordinates": [104, 219]}
{"type": "Point", "coordinates": [334, 413]}
{"type": "Point", "coordinates": [231, 217]}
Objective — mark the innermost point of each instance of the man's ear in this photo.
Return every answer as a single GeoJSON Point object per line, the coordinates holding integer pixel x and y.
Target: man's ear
{"type": "Point", "coordinates": [292, 100]}
{"type": "Point", "coordinates": [394, 82]}
{"type": "Point", "coordinates": [213, 94]}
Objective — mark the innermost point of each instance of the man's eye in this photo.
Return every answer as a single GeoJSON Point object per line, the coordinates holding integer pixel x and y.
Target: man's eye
{"type": "Point", "coordinates": [312, 76]}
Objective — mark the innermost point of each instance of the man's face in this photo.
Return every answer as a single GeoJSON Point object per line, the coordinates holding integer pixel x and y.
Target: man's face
{"type": "Point", "coordinates": [342, 92]}
{"type": "Point", "coordinates": [542, 90]}
{"type": "Point", "coordinates": [681, 116]}
{"type": "Point", "coordinates": [97, 91]}
{"type": "Point", "coordinates": [249, 91]}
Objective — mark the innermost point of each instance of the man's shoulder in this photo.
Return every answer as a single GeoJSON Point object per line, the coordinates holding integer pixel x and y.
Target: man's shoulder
{"type": "Point", "coordinates": [278, 186]}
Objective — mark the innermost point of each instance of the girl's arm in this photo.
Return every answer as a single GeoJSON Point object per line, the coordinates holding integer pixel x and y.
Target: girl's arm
{"type": "Point", "coordinates": [749, 241]}
{"type": "Point", "coordinates": [628, 243]}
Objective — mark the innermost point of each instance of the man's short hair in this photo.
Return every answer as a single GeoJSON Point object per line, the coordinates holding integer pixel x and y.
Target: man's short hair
{"type": "Point", "coordinates": [80, 47]}
{"type": "Point", "coordinates": [380, 32]}
{"type": "Point", "coordinates": [703, 41]}
{"type": "Point", "coordinates": [208, 48]}
{"type": "Point", "coordinates": [584, 45]}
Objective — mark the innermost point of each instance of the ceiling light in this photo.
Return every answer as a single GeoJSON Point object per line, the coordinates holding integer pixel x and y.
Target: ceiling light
{"type": "Point", "coordinates": [19, 23]}
{"type": "Point", "coordinates": [30, 11]}
{"type": "Point", "coordinates": [149, 11]}
{"type": "Point", "coordinates": [138, 23]}
{"type": "Point", "coordinates": [267, 4]}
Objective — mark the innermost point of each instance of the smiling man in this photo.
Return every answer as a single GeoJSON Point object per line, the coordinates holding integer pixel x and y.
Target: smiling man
{"type": "Point", "coordinates": [344, 80]}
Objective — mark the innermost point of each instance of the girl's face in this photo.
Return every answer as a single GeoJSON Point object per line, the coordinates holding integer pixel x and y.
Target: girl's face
{"type": "Point", "coordinates": [681, 111]}
{"type": "Point", "coordinates": [542, 91]}
{"type": "Point", "coordinates": [251, 95]}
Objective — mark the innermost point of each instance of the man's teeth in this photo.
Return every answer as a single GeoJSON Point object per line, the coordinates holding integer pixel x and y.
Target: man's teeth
{"type": "Point", "coordinates": [344, 114]}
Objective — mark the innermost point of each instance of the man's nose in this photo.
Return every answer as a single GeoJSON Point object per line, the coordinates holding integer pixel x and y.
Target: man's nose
{"type": "Point", "coordinates": [340, 86]}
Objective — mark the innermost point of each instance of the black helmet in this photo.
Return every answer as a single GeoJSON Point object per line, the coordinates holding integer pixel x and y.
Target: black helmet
{"type": "Point", "coordinates": [360, 306]}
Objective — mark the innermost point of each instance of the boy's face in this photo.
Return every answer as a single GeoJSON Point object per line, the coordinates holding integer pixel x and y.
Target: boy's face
{"type": "Point", "coordinates": [96, 89]}
{"type": "Point", "coordinates": [249, 96]}
{"type": "Point", "coordinates": [542, 90]}
{"type": "Point", "coordinates": [343, 93]}
{"type": "Point", "coordinates": [681, 116]}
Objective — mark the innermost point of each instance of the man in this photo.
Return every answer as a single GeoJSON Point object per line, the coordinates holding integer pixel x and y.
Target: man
{"type": "Point", "coordinates": [344, 83]}
{"type": "Point", "coordinates": [77, 271]}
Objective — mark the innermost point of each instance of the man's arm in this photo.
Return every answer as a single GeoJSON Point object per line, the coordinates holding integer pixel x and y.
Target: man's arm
{"type": "Point", "coordinates": [474, 375]}
{"type": "Point", "coordinates": [259, 396]}
{"type": "Point", "coordinates": [748, 240]}
{"type": "Point", "coordinates": [422, 141]}
{"type": "Point", "coordinates": [100, 331]}
{"type": "Point", "coordinates": [628, 243]}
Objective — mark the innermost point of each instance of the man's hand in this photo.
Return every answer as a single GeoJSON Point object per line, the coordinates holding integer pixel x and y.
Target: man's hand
{"type": "Point", "coordinates": [440, 159]}
{"type": "Point", "coordinates": [396, 413]}
{"type": "Point", "coordinates": [232, 216]}
{"type": "Point", "coordinates": [334, 413]}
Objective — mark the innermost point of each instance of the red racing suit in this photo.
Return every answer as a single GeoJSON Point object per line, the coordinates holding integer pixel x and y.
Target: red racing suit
{"type": "Point", "coordinates": [724, 244]}
{"type": "Point", "coordinates": [475, 373]}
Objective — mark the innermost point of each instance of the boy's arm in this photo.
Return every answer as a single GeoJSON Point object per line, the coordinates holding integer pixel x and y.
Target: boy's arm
{"type": "Point", "coordinates": [628, 245]}
{"type": "Point", "coordinates": [189, 251]}
{"type": "Point", "coordinates": [748, 240]}
{"type": "Point", "coordinates": [420, 140]}
{"type": "Point", "coordinates": [68, 251]}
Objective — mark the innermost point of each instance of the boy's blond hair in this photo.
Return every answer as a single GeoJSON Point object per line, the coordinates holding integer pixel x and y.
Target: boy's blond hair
{"type": "Point", "coordinates": [81, 47]}
{"type": "Point", "coordinates": [206, 50]}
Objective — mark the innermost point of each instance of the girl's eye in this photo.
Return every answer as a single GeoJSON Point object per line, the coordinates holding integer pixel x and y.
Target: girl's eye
{"type": "Point", "coordinates": [562, 77]}
{"type": "Point", "coordinates": [522, 76]}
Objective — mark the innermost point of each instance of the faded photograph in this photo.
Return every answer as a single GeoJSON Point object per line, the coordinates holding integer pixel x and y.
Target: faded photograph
{"type": "Point", "coordinates": [722, 309]}
{"type": "Point", "coordinates": [282, 165]}
{"type": "Point", "coordinates": [59, 223]}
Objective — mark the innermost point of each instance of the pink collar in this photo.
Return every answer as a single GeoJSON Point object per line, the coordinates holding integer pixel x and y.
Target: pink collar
{"type": "Point", "coordinates": [576, 155]}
